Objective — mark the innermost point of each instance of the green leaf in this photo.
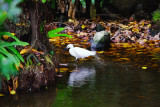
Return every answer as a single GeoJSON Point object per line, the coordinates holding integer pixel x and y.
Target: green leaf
{"type": "Point", "coordinates": [57, 35]}
{"type": "Point", "coordinates": [9, 34]}
{"type": "Point", "coordinates": [10, 56]}
{"type": "Point", "coordinates": [16, 53]}
{"type": "Point", "coordinates": [57, 30]}
{"type": "Point", "coordinates": [3, 16]}
{"type": "Point", "coordinates": [73, 1]}
{"type": "Point", "coordinates": [7, 67]}
{"type": "Point", "coordinates": [83, 3]}
{"type": "Point", "coordinates": [6, 44]}
{"type": "Point", "coordinates": [93, 2]}
{"type": "Point", "coordinates": [53, 33]}
{"type": "Point", "coordinates": [53, 4]}
{"type": "Point", "coordinates": [101, 3]}
{"type": "Point", "coordinates": [43, 1]}
{"type": "Point", "coordinates": [13, 11]}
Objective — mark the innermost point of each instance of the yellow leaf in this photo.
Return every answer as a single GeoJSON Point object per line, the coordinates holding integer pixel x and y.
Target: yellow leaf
{"type": "Point", "coordinates": [100, 52]}
{"type": "Point", "coordinates": [144, 67]}
{"type": "Point", "coordinates": [126, 45]}
{"type": "Point", "coordinates": [23, 24]}
{"type": "Point", "coordinates": [13, 33]}
{"type": "Point", "coordinates": [124, 58]}
{"type": "Point", "coordinates": [70, 20]}
{"type": "Point", "coordinates": [21, 66]}
{"type": "Point", "coordinates": [17, 67]}
{"type": "Point", "coordinates": [54, 39]}
{"type": "Point", "coordinates": [41, 52]}
{"type": "Point", "coordinates": [83, 26]}
{"type": "Point", "coordinates": [34, 50]}
{"type": "Point", "coordinates": [23, 51]}
{"type": "Point", "coordinates": [6, 37]}
{"type": "Point", "coordinates": [135, 30]}
{"type": "Point", "coordinates": [145, 40]}
{"type": "Point", "coordinates": [18, 24]}
{"type": "Point", "coordinates": [12, 92]}
{"type": "Point", "coordinates": [63, 69]}
{"type": "Point", "coordinates": [56, 70]}
{"type": "Point", "coordinates": [1, 95]}
{"type": "Point", "coordinates": [149, 25]}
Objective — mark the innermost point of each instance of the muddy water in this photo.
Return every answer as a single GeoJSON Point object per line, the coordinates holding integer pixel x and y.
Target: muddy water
{"type": "Point", "coordinates": [97, 82]}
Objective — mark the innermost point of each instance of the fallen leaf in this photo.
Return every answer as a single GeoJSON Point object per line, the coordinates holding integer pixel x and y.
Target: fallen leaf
{"type": "Point", "coordinates": [23, 51]}
{"type": "Point", "coordinates": [12, 92]}
{"type": "Point", "coordinates": [144, 67]}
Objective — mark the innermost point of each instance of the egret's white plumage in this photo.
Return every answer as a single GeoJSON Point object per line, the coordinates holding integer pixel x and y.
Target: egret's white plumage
{"type": "Point", "coordinates": [78, 52]}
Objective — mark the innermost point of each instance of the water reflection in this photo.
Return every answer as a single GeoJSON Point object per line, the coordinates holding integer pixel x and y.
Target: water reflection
{"type": "Point", "coordinates": [102, 84]}
{"type": "Point", "coordinates": [81, 75]}
{"type": "Point", "coordinates": [43, 98]}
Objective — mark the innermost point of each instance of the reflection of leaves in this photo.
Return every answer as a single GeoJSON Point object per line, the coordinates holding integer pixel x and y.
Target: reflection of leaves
{"type": "Point", "coordinates": [63, 97]}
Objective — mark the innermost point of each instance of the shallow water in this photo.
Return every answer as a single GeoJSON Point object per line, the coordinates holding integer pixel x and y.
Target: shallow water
{"type": "Point", "coordinates": [97, 82]}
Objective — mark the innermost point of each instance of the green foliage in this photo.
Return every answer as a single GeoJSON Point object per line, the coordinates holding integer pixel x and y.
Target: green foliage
{"type": "Point", "coordinates": [102, 1]}
{"type": "Point", "coordinates": [9, 9]}
{"type": "Point", "coordinates": [43, 1]}
{"type": "Point", "coordinates": [9, 56]}
{"type": "Point", "coordinates": [83, 2]}
{"type": "Point", "coordinates": [156, 16]}
{"type": "Point", "coordinates": [93, 1]}
{"type": "Point", "coordinates": [53, 33]}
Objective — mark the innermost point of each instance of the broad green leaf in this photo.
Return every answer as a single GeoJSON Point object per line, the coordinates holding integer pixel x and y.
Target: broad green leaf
{"type": "Point", "coordinates": [56, 35]}
{"type": "Point", "coordinates": [6, 44]}
{"type": "Point", "coordinates": [10, 56]}
{"type": "Point", "coordinates": [7, 67]}
{"type": "Point", "coordinates": [16, 53]}
{"type": "Point", "coordinates": [53, 33]}
{"type": "Point", "coordinates": [56, 30]}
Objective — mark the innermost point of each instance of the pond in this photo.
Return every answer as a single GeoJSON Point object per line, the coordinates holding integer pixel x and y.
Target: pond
{"type": "Point", "coordinates": [96, 82]}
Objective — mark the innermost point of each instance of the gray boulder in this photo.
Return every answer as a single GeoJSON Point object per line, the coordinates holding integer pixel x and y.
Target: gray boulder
{"type": "Point", "coordinates": [101, 41]}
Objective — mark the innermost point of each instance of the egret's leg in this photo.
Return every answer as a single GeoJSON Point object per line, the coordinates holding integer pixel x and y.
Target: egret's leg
{"type": "Point", "coordinates": [83, 59]}
{"type": "Point", "coordinates": [76, 60]}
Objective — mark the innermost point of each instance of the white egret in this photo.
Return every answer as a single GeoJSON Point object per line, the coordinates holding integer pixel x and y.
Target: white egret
{"type": "Point", "coordinates": [78, 52]}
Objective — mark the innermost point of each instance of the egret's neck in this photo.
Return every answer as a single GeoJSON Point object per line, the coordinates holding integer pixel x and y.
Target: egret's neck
{"type": "Point", "coordinates": [71, 47]}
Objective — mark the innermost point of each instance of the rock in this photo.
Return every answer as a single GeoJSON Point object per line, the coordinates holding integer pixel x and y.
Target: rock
{"type": "Point", "coordinates": [99, 27]}
{"type": "Point", "coordinates": [101, 41]}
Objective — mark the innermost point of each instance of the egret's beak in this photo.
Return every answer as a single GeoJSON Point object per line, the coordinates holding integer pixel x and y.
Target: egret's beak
{"type": "Point", "coordinates": [65, 49]}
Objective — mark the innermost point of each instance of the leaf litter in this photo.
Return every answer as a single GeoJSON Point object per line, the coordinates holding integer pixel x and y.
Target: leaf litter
{"type": "Point", "coordinates": [132, 40]}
